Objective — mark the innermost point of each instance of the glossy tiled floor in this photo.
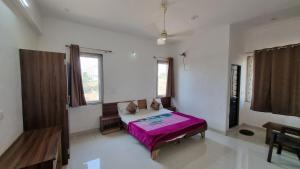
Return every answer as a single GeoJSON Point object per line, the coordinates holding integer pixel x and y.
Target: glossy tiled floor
{"type": "Point", "coordinates": [258, 138]}
{"type": "Point", "coordinates": [121, 151]}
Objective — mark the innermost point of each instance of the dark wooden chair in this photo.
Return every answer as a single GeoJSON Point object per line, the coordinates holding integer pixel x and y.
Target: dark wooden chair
{"type": "Point", "coordinates": [287, 138]}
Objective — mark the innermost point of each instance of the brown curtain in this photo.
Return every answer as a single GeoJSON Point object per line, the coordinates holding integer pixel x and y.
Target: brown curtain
{"type": "Point", "coordinates": [279, 69]}
{"type": "Point", "coordinates": [285, 80]}
{"type": "Point", "coordinates": [262, 81]}
{"type": "Point", "coordinates": [77, 93]}
{"type": "Point", "coordinates": [170, 82]}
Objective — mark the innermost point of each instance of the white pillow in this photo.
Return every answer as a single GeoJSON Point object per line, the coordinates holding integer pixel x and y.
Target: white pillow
{"type": "Point", "coordinates": [122, 107]}
{"type": "Point", "coordinates": [149, 101]}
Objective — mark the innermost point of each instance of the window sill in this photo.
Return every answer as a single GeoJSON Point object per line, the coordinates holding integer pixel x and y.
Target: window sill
{"type": "Point", "coordinates": [159, 97]}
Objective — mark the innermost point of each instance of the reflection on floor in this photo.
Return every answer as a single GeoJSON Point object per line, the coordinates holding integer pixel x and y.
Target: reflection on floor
{"type": "Point", "coordinates": [120, 150]}
{"type": "Point", "coordinates": [286, 160]}
{"type": "Point", "coordinates": [258, 138]}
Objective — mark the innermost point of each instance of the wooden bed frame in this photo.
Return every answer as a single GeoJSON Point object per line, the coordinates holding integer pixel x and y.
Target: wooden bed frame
{"type": "Point", "coordinates": [158, 146]}
{"type": "Point", "coordinates": [111, 109]}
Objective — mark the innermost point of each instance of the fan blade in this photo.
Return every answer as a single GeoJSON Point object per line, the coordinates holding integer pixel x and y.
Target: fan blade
{"type": "Point", "coordinates": [181, 34]}
{"type": "Point", "coordinates": [153, 29]}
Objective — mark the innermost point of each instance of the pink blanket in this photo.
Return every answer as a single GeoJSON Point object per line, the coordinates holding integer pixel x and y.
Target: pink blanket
{"type": "Point", "coordinates": [156, 129]}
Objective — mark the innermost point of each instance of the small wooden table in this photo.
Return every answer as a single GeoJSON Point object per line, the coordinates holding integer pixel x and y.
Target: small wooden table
{"type": "Point", "coordinates": [271, 126]}
{"type": "Point", "coordinates": [110, 124]}
{"type": "Point", "coordinates": [36, 149]}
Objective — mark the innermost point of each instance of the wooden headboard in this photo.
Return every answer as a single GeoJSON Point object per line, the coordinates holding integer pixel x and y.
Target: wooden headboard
{"type": "Point", "coordinates": [166, 102]}
{"type": "Point", "coordinates": [111, 109]}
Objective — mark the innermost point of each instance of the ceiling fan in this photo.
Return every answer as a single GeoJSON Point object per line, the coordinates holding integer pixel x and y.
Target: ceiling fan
{"type": "Point", "coordinates": [163, 35]}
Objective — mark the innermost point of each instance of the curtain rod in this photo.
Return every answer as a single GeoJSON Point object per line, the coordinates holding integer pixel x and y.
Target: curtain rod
{"type": "Point", "coordinates": [277, 47]}
{"type": "Point", "coordinates": [105, 51]}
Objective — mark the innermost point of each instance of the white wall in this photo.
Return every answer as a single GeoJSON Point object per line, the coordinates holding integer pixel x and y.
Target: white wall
{"type": "Point", "coordinates": [15, 33]}
{"type": "Point", "coordinates": [31, 13]}
{"type": "Point", "coordinates": [278, 33]}
{"type": "Point", "coordinates": [124, 77]}
{"type": "Point", "coordinates": [202, 89]}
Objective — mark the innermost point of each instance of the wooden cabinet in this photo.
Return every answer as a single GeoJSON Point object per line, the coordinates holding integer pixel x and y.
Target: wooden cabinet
{"type": "Point", "coordinates": [36, 149]}
{"type": "Point", "coordinates": [44, 93]}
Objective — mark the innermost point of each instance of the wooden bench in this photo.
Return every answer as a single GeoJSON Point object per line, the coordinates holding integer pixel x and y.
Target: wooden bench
{"type": "Point", "coordinates": [288, 138]}
{"type": "Point", "coordinates": [36, 149]}
{"type": "Point", "coordinates": [271, 126]}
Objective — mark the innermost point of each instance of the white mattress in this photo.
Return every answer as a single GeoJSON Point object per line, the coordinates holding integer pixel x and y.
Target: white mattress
{"type": "Point", "coordinates": [143, 113]}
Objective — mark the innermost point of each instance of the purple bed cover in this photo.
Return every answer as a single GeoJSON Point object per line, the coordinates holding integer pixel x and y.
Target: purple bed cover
{"type": "Point", "coordinates": [164, 127]}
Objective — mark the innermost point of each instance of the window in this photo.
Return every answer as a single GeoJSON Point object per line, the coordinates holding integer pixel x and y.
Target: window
{"type": "Point", "coordinates": [249, 85]}
{"type": "Point", "coordinates": [162, 77]}
{"type": "Point", "coordinates": [91, 71]}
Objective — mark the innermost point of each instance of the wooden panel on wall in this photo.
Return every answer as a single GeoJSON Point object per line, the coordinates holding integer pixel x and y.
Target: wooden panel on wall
{"type": "Point", "coordinates": [109, 109]}
{"type": "Point", "coordinates": [44, 93]}
{"type": "Point", "coordinates": [166, 101]}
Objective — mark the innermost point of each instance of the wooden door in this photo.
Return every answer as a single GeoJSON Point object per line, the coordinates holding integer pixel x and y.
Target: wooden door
{"type": "Point", "coordinates": [44, 93]}
{"type": "Point", "coordinates": [234, 95]}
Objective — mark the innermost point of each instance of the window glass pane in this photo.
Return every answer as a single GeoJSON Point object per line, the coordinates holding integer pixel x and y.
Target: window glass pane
{"type": "Point", "coordinates": [90, 78]}
{"type": "Point", "coordinates": [162, 78]}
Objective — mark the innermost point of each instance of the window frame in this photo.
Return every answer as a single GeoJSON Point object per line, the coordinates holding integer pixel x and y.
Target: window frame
{"type": "Point", "coordinates": [157, 63]}
{"type": "Point", "coordinates": [100, 74]}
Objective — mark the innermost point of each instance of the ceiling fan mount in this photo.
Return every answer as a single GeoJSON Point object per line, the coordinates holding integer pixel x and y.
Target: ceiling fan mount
{"type": "Point", "coordinates": [163, 35]}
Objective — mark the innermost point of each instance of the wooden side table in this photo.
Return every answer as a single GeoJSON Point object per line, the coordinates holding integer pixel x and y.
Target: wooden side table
{"type": "Point", "coordinates": [110, 124]}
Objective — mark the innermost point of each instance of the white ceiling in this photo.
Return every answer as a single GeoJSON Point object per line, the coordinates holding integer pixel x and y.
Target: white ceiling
{"type": "Point", "coordinates": [144, 17]}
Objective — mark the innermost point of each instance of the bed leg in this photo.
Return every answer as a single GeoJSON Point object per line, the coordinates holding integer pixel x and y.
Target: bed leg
{"type": "Point", "coordinates": [203, 134]}
{"type": "Point", "coordinates": [154, 154]}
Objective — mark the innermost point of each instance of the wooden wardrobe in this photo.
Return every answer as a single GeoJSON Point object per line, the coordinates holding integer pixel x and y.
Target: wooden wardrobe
{"type": "Point", "coordinates": [44, 93]}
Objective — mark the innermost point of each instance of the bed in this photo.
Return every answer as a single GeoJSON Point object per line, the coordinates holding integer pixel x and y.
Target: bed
{"type": "Point", "coordinates": [155, 129]}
